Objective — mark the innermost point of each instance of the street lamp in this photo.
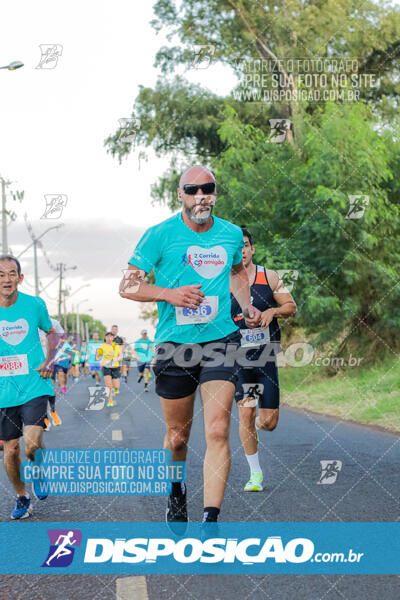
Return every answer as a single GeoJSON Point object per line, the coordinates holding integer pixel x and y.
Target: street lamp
{"type": "Point", "coordinates": [14, 65]}
{"type": "Point", "coordinates": [80, 288]}
{"type": "Point", "coordinates": [35, 244]}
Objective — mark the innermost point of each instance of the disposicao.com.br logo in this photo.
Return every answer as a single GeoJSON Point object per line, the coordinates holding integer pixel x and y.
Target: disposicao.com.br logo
{"type": "Point", "coordinates": [214, 550]}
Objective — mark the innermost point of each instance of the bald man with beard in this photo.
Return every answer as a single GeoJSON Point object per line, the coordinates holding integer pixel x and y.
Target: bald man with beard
{"type": "Point", "coordinates": [196, 258]}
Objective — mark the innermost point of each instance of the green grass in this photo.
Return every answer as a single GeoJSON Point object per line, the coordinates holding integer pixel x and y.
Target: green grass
{"type": "Point", "coordinates": [367, 395]}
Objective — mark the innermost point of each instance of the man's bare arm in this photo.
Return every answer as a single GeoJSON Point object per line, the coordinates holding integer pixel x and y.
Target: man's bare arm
{"type": "Point", "coordinates": [241, 290]}
{"type": "Point", "coordinates": [287, 306]}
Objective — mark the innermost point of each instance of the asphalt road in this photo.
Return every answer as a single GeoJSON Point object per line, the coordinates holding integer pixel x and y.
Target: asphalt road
{"type": "Point", "coordinates": [367, 489]}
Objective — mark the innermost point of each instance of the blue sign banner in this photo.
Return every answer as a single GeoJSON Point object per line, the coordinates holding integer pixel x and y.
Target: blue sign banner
{"type": "Point", "coordinates": [223, 548]}
{"type": "Point", "coordinates": [103, 472]}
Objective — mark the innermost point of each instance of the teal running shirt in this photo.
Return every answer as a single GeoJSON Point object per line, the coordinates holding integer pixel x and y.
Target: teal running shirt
{"type": "Point", "coordinates": [21, 351]}
{"type": "Point", "coordinates": [180, 256]}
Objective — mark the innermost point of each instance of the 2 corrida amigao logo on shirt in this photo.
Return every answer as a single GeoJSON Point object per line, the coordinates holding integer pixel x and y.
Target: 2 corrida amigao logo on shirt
{"type": "Point", "coordinates": [14, 333]}
{"type": "Point", "coordinates": [207, 262]}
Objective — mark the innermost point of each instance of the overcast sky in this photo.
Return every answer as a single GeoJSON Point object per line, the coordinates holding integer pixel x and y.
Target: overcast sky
{"type": "Point", "coordinates": [53, 123]}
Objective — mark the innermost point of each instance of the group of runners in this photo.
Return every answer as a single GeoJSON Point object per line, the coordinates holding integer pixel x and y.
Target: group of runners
{"type": "Point", "coordinates": [217, 331]}
{"type": "Point", "coordinates": [110, 359]}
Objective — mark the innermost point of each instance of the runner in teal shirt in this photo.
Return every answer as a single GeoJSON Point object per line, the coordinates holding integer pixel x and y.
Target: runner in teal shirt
{"type": "Point", "coordinates": [25, 385]}
{"type": "Point", "coordinates": [143, 348]}
{"type": "Point", "coordinates": [181, 256]}
{"type": "Point", "coordinates": [196, 258]}
{"type": "Point", "coordinates": [21, 352]}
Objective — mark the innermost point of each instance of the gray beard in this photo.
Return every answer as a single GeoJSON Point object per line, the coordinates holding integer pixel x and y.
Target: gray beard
{"type": "Point", "coordinates": [197, 219]}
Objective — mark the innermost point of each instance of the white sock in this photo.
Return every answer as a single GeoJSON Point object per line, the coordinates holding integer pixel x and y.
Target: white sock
{"type": "Point", "coordinates": [253, 461]}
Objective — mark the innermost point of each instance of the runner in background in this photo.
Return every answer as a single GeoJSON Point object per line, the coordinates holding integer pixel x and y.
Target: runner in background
{"type": "Point", "coordinates": [75, 362]}
{"type": "Point", "coordinates": [259, 384]}
{"type": "Point", "coordinates": [127, 355]}
{"type": "Point", "coordinates": [116, 338]}
{"type": "Point", "coordinates": [52, 398]}
{"type": "Point", "coordinates": [62, 362]}
{"type": "Point", "coordinates": [93, 363]}
{"type": "Point", "coordinates": [145, 351]}
{"type": "Point", "coordinates": [83, 358]}
{"type": "Point", "coordinates": [110, 355]}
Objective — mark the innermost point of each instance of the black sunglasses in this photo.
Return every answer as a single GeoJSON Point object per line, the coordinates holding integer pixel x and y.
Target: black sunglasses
{"type": "Point", "coordinates": [206, 188]}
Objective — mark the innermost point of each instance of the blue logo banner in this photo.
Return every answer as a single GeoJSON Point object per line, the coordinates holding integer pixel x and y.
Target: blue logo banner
{"type": "Point", "coordinates": [103, 472]}
{"type": "Point", "coordinates": [152, 548]}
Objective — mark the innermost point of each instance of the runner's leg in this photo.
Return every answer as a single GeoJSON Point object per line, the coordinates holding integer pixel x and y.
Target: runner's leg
{"type": "Point", "coordinates": [267, 418]}
{"type": "Point", "coordinates": [108, 384]}
{"type": "Point", "coordinates": [247, 429]}
{"type": "Point", "coordinates": [12, 464]}
{"type": "Point", "coordinates": [217, 397]}
{"type": "Point", "coordinates": [178, 415]}
{"type": "Point", "coordinates": [33, 440]}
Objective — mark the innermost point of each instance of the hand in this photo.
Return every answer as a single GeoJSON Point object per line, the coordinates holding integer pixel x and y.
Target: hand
{"type": "Point", "coordinates": [251, 316]}
{"type": "Point", "coordinates": [189, 296]}
{"type": "Point", "coordinates": [45, 370]}
{"type": "Point", "coordinates": [266, 317]}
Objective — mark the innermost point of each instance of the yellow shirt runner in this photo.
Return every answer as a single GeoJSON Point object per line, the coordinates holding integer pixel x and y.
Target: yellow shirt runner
{"type": "Point", "coordinates": [109, 354]}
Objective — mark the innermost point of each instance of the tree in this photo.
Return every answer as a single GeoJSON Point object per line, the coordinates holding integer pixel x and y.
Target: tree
{"type": "Point", "coordinates": [294, 196]}
{"type": "Point", "coordinates": [300, 219]}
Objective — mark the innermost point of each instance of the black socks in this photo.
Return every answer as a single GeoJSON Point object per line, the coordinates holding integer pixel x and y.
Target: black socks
{"type": "Point", "coordinates": [178, 488]}
{"type": "Point", "coordinates": [210, 514]}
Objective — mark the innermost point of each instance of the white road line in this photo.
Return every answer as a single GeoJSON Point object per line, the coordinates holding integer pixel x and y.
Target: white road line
{"type": "Point", "coordinates": [114, 416]}
{"type": "Point", "coordinates": [116, 435]}
{"type": "Point", "coordinates": [132, 588]}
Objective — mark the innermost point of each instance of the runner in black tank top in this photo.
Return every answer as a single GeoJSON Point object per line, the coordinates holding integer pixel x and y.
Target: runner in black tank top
{"type": "Point", "coordinates": [259, 384]}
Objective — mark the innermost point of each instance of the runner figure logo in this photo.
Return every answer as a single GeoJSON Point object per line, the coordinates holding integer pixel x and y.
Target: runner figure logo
{"type": "Point", "coordinates": [50, 53]}
{"type": "Point", "coordinates": [329, 471]}
{"type": "Point", "coordinates": [279, 129]}
{"type": "Point", "coordinates": [55, 204]}
{"type": "Point", "coordinates": [358, 204]}
{"type": "Point", "coordinates": [97, 398]}
{"type": "Point", "coordinates": [252, 393]}
{"type": "Point", "coordinates": [62, 547]}
{"type": "Point", "coordinates": [289, 278]}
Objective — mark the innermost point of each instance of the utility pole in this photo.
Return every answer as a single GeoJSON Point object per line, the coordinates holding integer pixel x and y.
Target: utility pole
{"type": "Point", "coordinates": [4, 243]}
{"type": "Point", "coordinates": [35, 262]}
{"type": "Point", "coordinates": [65, 311]}
{"type": "Point", "coordinates": [61, 268]}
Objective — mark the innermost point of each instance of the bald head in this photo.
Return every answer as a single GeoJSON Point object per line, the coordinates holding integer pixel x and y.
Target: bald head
{"type": "Point", "coordinates": [197, 206]}
{"type": "Point", "coordinates": [196, 174]}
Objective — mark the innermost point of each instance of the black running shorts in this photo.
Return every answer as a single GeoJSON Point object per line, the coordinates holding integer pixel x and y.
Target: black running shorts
{"type": "Point", "coordinates": [185, 366]}
{"type": "Point", "coordinates": [113, 372]}
{"type": "Point", "coordinates": [258, 385]}
{"type": "Point", "coordinates": [13, 418]}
